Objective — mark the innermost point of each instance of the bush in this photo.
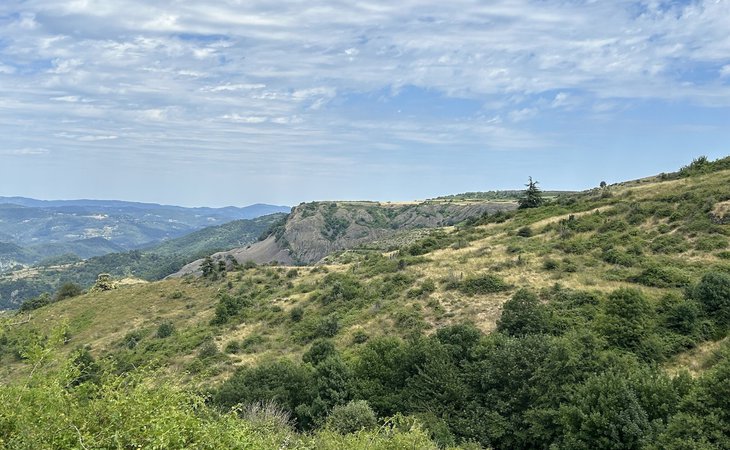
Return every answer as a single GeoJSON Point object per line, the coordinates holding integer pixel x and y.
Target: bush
{"type": "Point", "coordinates": [208, 350]}
{"type": "Point", "coordinates": [360, 337]}
{"type": "Point", "coordinates": [233, 347]}
{"type": "Point", "coordinates": [663, 277]}
{"type": "Point", "coordinates": [68, 290]}
{"type": "Point", "coordinates": [37, 302]}
{"type": "Point", "coordinates": [328, 327]}
{"type": "Point", "coordinates": [523, 314]}
{"type": "Point", "coordinates": [525, 232]}
{"type": "Point", "coordinates": [355, 416]}
{"type": "Point", "coordinates": [165, 329]}
{"type": "Point", "coordinates": [319, 351]}
{"type": "Point", "coordinates": [713, 293]}
{"type": "Point", "coordinates": [626, 320]}
{"type": "Point", "coordinates": [296, 314]}
{"type": "Point", "coordinates": [479, 285]}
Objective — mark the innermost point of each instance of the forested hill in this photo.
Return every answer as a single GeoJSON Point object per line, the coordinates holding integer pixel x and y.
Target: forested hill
{"type": "Point", "coordinates": [152, 263]}
{"type": "Point", "coordinates": [33, 230]}
{"type": "Point", "coordinates": [597, 320]}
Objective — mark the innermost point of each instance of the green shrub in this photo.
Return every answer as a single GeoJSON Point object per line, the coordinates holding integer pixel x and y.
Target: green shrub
{"type": "Point", "coordinates": [525, 232]}
{"type": "Point", "coordinates": [626, 320]}
{"type": "Point", "coordinates": [232, 347]}
{"type": "Point", "coordinates": [360, 337]}
{"type": "Point", "coordinates": [327, 327]}
{"type": "Point", "coordinates": [68, 290]}
{"type": "Point", "coordinates": [669, 243]}
{"type": "Point", "coordinates": [165, 329]}
{"type": "Point", "coordinates": [319, 351]}
{"type": "Point", "coordinates": [619, 257]}
{"type": "Point", "coordinates": [37, 302]}
{"type": "Point", "coordinates": [663, 277]}
{"type": "Point", "coordinates": [208, 350]}
{"type": "Point", "coordinates": [354, 416]}
{"type": "Point", "coordinates": [713, 293]}
{"type": "Point", "coordinates": [523, 314]}
{"type": "Point", "coordinates": [296, 314]}
{"type": "Point", "coordinates": [480, 285]}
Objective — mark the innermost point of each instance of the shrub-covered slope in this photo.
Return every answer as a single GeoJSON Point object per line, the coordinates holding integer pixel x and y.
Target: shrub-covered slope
{"type": "Point", "coordinates": [570, 325]}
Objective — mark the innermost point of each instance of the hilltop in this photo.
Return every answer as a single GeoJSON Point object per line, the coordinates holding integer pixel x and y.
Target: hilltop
{"type": "Point", "coordinates": [314, 230]}
{"type": "Point", "coordinates": [511, 329]}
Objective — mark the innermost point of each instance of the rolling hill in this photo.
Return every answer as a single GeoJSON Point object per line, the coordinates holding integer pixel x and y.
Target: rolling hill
{"type": "Point", "coordinates": [87, 228]}
{"type": "Point", "coordinates": [599, 320]}
{"type": "Point", "coordinates": [152, 263]}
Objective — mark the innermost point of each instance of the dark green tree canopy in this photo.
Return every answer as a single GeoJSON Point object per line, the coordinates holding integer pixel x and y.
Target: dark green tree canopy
{"type": "Point", "coordinates": [532, 197]}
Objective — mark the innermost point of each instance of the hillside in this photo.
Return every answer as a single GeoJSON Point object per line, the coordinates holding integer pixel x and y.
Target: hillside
{"type": "Point", "coordinates": [315, 230]}
{"type": "Point", "coordinates": [85, 228]}
{"type": "Point", "coordinates": [563, 326]}
{"type": "Point", "coordinates": [152, 263]}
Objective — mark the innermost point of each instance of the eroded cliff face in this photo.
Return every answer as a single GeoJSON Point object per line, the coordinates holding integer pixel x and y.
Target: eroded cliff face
{"type": "Point", "coordinates": [315, 230]}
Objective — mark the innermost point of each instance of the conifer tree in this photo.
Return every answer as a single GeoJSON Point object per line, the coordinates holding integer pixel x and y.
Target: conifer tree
{"type": "Point", "coordinates": [532, 197]}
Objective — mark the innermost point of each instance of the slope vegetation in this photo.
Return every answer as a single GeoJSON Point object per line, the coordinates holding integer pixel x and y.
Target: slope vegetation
{"type": "Point", "coordinates": [565, 326]}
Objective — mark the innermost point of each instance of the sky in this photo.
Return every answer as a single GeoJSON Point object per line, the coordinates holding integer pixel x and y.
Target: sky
{"type": "Point", "coordinates": [233, 102]}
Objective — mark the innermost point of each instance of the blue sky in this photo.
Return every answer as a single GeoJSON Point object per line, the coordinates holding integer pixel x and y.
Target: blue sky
{"type": "Point", "coordinates": [236, 102]}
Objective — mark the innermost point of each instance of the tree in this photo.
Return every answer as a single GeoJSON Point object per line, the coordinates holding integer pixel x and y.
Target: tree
{"type": "Point", "coordinates": [713, 293]}
{"type": "Point", "coordinates": [68, 290]}
{"type": "Point", "coordinates": [523, 314]}
{"type": "Point", "coordinates": [532, 197]}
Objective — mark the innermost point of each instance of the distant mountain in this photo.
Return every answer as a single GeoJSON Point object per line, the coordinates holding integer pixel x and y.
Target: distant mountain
{"type": "Point", "coordinates": [85, 228]}
{"type": "Point", "coordinates": [152, 263]}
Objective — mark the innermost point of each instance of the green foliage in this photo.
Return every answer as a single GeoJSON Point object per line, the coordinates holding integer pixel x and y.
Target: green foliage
{"type": "Point", "coordinates": [334, 226]}
{"type": "Point", "coordinates": [296, 314]}
{"type": "Point", "coordinates": [37, 302]}
{"type": "Point", "coordinates": [532, 197]}
{"type": "Point", "coordinates": [713, 293]}
{"type": "Point", "coordinates": [229, 306]}
{"type": "Point", "coordinates": [479, 285]}
{"type": "Point", "coordinates": [523, 314]}
{"type": "Point", "coordinates": [661, 276]}
{"type": "Point", "coordinates": [626, 320]}
{"type": "Point", "coordinates": [165, 329]}
{"type": "Point", "coordinates": [318, 352]}
{"type": "Point", "coordinates": [606, 414]}
{"type": "Point", "coordinates": [354, 416]}
{"type": "Point", "coordinates": [525, 232]}
{"type": "Point", "coordinates": [68, 290]}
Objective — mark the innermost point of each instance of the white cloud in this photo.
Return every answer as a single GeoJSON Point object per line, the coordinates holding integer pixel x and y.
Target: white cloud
{"type": "Point", "coordinates": [25, 152]}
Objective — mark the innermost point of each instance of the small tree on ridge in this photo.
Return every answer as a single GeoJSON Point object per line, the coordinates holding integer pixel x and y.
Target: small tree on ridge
{"type": "Point", "coordinates": [532, 197]}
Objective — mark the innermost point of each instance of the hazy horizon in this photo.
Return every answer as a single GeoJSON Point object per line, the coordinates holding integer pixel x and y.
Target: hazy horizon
{"type": "Point", "coordinates": [237, 103]}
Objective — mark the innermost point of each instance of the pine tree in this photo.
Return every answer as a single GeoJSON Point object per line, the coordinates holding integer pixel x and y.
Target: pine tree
{"type": "Point", "coordinates": [532, 197]}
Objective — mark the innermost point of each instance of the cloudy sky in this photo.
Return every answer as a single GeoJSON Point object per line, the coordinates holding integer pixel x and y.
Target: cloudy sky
{"type": "Point", "coordinates": [241, 101]}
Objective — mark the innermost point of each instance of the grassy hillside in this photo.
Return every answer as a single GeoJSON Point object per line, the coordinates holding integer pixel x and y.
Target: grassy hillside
{"type": "Point", "coordinates": [571, 325]}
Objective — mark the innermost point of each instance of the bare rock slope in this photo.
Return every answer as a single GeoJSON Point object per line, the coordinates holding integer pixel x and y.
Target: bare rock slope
{"type": "Point", "coordinates": [315, 230]}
